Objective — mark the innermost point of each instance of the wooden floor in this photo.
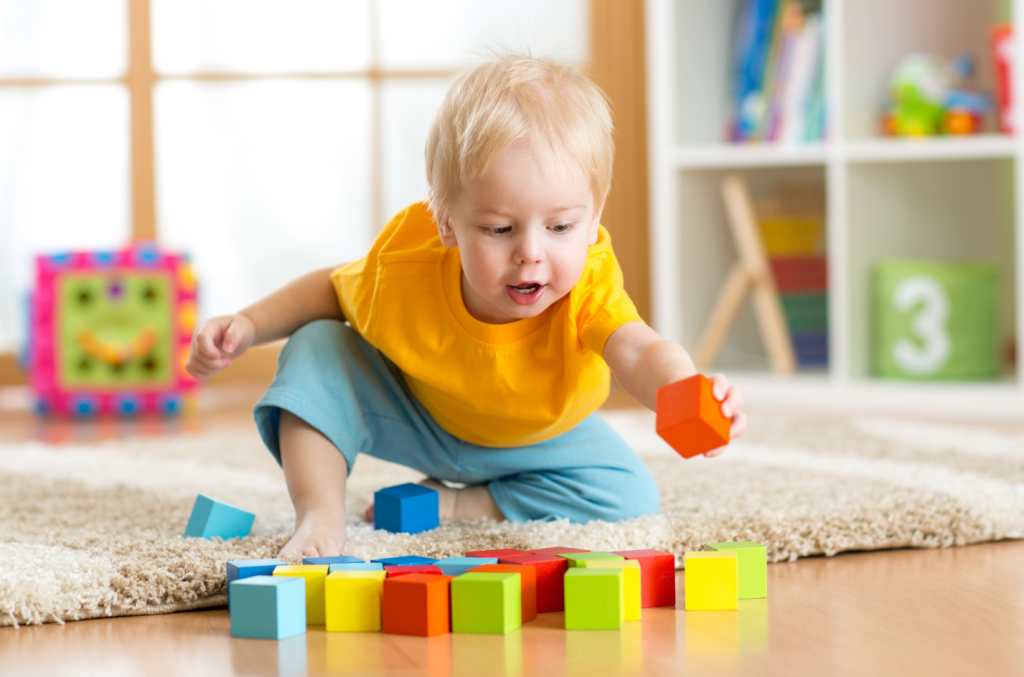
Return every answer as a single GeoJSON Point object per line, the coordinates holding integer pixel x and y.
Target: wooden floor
{"type": "Point", "coordinates": [933, 612]}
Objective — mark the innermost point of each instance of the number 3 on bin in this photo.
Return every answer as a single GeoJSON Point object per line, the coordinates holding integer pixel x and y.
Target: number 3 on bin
{"type": "Point", "coordinates": [930, 352]}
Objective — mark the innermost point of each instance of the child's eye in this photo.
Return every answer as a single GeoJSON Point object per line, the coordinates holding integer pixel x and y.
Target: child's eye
{"type": "Point", "coordinates": [561, 228]}
{"type": "Point", "coordinates": [500, 230]}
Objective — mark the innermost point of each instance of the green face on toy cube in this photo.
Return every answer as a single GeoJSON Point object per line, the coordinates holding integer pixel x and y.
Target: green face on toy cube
{"type": "Point", "coordinates": [115, 329]}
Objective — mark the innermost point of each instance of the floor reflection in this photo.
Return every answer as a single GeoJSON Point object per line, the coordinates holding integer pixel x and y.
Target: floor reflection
{"type": "Point", "coordinates": [724, 633]}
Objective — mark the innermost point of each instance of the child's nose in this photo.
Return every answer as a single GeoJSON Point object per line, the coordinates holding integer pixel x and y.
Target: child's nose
{"type": "Point", "coordinates": [528, 249]}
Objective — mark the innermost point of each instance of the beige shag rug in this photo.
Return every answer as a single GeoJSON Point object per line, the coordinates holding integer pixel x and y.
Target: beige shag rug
{"type": "Point", "coordinates": [95, 530]}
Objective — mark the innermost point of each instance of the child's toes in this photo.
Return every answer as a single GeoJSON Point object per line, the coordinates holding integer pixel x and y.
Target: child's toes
{"type": "Point", "coordinates": [368, 514]}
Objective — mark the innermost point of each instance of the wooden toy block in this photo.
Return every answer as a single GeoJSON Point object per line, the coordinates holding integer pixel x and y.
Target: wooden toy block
{"type": "Point", "coordinates": [246, 568]}
{"type": "Point", "coordinates": [406, 509]}
{"type": "Point", "coordinates": [711, 581]}
{"type": "Point", "coordinates": [356, 566]}
{"type": "Point", "coordinates": [404, 560]}
{"type": "Point", "coordinates": [352, 601]}
{"type": "Point", "coordinates": [550, 573]}
{"type": "Point", "coordinates": [595, 599]}
{"type": "Point", "coordinates": [268, 607]}
{"type": "Point", "coordinates": [753, 564]}
{"type": "Point", "coordinates": [341, 559]}
{"type": "Point", "coordinates": [487, 603]}
{"type": "Point", "coordinates": [503, 552]}
{"type": "Point", "coordinates": [657, 576]}
{"type": "Point", "coordinates": [417, 604]}
{"type": "Point", "coordinates": [212, 518]}
{"type": "Point", "coordinates": [578, 559]}
{"type": "Point", "coordinates": [414, 569]}
{"type": "Point", "coordinates": [527, 581]}
{"type": "Point", "coordinates": [556, 551]}
{"type": "Point", "coordinates": [315, 576]}
{"type": "Point", "coordinates": [689, 417]}
{"type": "Point", "coordinates": [456, 566]}
{"type": "Point", "coordinates": [631, 582]}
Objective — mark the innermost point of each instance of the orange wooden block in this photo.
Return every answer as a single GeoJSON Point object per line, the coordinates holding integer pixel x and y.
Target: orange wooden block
{"type": "Point", "coordinates": [528, 580]}
{"type": "Point", "coordinates": [417, 604]}
{"type": "Point", "coordinates": [690, 418]}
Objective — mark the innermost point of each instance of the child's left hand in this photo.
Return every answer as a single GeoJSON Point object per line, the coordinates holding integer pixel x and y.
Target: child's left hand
{"type": "Point", "coordinates": [731, 399]}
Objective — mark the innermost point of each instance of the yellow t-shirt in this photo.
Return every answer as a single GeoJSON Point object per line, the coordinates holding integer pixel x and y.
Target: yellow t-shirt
{"type": "Point", "coordinates": [498, 385]}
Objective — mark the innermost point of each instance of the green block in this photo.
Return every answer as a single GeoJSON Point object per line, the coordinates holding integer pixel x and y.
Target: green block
{"type": "Point", "coordinates": [595, 599]}
{"type": "Point", "coordinates": [936, 320]}
{"type": "Point", "coordinates": [577, 559]}
{"type": "Point", "coordinates": [752, 559]}
{"type": "Point", "coordinates": [805, 311]}
{"type": "Point", "coordinates": [487, 603]}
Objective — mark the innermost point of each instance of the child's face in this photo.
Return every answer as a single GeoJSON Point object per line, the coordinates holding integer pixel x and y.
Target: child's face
{"type": "Point", "coordinates": [522, 228]}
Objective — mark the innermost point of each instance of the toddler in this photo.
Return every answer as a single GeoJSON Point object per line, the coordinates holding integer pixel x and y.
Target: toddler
{"type": "Point", "coordinates": [476, 340]}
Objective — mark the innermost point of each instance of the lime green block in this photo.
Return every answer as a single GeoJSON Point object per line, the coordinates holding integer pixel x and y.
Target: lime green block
{"type": "Point", "coordinates": [935, 320]}
{"type": "Point", "coordinates": [753, 566]}
{"type": "Point", "coordinates": [595, 599]}
{"type": "Point", "coordinates": [577, 559]}
{"type": "Point", "coordinates": [488, 603]}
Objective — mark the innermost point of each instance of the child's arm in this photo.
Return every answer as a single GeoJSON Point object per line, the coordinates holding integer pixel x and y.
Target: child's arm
{"type": "Point", "coordinates": [221, 339]}
{"type": "Point", "coordinates": [643, 361]}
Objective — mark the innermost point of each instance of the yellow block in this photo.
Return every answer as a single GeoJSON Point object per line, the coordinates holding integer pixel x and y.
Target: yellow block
{"type": "Point", "coordinates": [316, 576]}
{"type": "Point", "coordinates": [631, 570]}
{"type": "Point", "coordinates": [711, 580]}
{"type": "Point", "coordinates": [352, 600]}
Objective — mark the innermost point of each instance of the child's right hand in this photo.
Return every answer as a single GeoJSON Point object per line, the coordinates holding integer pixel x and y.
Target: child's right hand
{"type": "Point", "coordinates": [217, 341]}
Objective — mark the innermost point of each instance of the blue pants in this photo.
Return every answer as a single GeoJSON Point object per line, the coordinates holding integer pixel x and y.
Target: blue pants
{"type": "Point", "coordinates": [330, 377]}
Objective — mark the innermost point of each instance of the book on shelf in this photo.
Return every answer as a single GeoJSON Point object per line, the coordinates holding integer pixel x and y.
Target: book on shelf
{"type": "Point", "coordinates": [778, 72]}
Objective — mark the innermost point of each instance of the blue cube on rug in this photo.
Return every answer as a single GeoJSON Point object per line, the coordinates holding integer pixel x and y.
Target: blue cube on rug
{"type": "Point", "coordinates": [340, 559]}
{"type": "Point", "coordinates": [405, 509]}
{"type": "Point", "coordinates": [247, 568]}
{"type": "Point", "coordinates": [268, 607]}
{"type": "Point", "coordinates": [404, 561]}
{"type": "Point", "coordinates": [456, 566]}
{"type": "Point", "coordinates": [212, 518]}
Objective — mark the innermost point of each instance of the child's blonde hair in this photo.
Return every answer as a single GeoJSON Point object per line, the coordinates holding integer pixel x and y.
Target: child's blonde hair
{"type": "Point", "coordinates": [518, 98]}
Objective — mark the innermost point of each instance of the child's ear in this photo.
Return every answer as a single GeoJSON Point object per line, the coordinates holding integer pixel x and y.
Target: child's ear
{"type": "Point", "coordinates": [594, 227]}
{"type": "Point", "coordinates": [446, 231]}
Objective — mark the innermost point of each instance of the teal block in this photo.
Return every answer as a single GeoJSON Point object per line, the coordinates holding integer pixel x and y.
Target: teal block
{"type": "Point", "coordinates": [268, 607]}
{"type": "Point", "coordinates": [212, 518]}
{"type": "Point", "coordinates": [935, 320]}
{"type": "Point", "coordinates": [752, 566]}
{"type": "Point", "coordinates": [340, 559]}
{"type": "Point", "coordinates": [356, 566]}
{"type": "Point", "coordinates": [247, 568]}
{"type": "Point", "coordinates": [456, 566]}
{"type": "Point", "coordinates": [576, 559]}
{"type": "Point", "coordinates": [488, 603]}
{"type": "Point", "coordinates": [595, 599]}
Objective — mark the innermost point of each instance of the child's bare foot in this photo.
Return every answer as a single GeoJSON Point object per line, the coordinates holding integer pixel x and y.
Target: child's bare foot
{"type": "Point", "coordinates": [320, 533]}
{"type": "Point", "coordinates": [468, 503]}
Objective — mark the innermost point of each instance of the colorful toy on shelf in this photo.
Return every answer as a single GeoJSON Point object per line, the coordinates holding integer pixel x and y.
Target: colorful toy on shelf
{"type": "Point", "coordinates": [212, 518]}
{"type": "Point", "coordinates": [931, 95]}
{"type": "Point", "coordinates": [315, 576]}
{"type": "Point", "coordinates": [110, 332]}
{"type": "Point", "coordinates": [487, 603]}
{"type": "Point", "coordinates": [406, 509]}
{"type": "Point", "coordinates": [1003, 55]}
{"type": "Point", "coordinates": [689, 417]}
{"type": "Point", "coordinates": [265, 607]}
{"type": "Point", "coordinates": [752, 559]}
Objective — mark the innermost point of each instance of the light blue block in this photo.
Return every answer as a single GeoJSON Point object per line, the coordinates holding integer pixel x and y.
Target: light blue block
{"type": "Point", "coordinates": [456, 566]}
{"type": "Point", "coordinates": [213, 518]}
{"type": "Point", "coordinates": [340, 559]}
{"type": "Point", "coordinates": [404, 561]}
{"type": "Point", "coordinates": [357, 566]}
{"type": "Point", "coordinates": [268, 607]}
{"type": "Point", "coordinates": [406, 508]}
{"type": "Point", "coordinates": [247, 568]}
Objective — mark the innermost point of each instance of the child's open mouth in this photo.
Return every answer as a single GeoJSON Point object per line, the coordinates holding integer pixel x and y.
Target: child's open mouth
{"type": "Point", "coordinates": [525, 294]}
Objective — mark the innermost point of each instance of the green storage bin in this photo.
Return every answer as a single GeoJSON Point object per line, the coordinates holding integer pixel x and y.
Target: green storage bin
{"type": "Point", "coordinates": [936, 320]}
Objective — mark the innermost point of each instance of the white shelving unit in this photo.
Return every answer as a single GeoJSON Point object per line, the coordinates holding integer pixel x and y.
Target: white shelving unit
{"type": "Point", "coordinates": [945, 198]}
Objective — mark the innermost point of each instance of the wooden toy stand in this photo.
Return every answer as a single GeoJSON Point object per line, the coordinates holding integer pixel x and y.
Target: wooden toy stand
{"type": "Point", "coordinates": [751, 273]}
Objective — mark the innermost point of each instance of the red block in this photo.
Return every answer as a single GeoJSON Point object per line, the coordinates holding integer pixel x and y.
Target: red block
{"type": "Point", "coordinates": [556, 551]}
{"type": "Point", "coordinates": [417, 604]}
{"type": "Point", "coordinates": [690, 418]}
{"type": "Point", "coordinates": [528, 579]}
{"type": "Point", "coordinates": [413, 569]}
{"type": "Point", "coordinates": [550, 574]}
{"type": "Point", "coordinates": [657, 576]}
{"type": "Point", "coordinates": [504, 552]}
{"type": "Point", "coordinates": [800, 274]}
